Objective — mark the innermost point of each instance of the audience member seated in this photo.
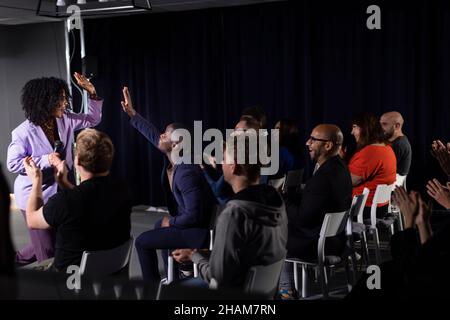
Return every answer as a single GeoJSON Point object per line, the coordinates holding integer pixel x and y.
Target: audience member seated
{"type": "Point", "coordinates": [328, 190]}
{"type": "Point", "coordinates": [392, 125]}
{"type": "Point", "coordinates": [374, 161]}
{"type": "Point", "coordinates": [189, 200]}
{"type": "Point", "coordinates": [291, 155]}
{"type": "Point", "coordinates": [256, 113]}
{"type": "Point", "coordinates": [419, 267]}
{"type": "Point", "coordinates": [7, 254]}
{"type": "Point", "coordinates": [221, 189]}
{"type": "Point", "coordinates": [250, 231]}
{"type": "Point", "coordinates": [92, 216]}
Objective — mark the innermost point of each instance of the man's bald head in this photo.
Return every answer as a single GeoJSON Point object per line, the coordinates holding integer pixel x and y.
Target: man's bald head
{"type": "Point", "coordinates": [331, 132]}
{"type": "Point", "coordinates": [325, 142]}
{"type": "Point", "coordinates": [392, 124]}
{"type": "Point", "coordinates": [393, 116]}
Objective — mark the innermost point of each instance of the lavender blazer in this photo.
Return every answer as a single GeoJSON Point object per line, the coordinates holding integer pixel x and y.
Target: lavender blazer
{"type": "Point", "coordinates": [29, 140]}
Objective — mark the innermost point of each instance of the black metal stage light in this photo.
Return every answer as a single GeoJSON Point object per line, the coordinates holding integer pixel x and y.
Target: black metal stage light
{"type": "Point", "coordinates": [65, 8]}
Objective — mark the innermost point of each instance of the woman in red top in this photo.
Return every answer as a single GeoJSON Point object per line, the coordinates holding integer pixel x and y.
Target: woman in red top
{"type": "Point", "coordinates": [374, 161]}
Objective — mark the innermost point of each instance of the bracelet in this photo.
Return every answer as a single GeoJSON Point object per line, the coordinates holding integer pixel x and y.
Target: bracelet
{"type": "Point", "coordinates": [94, 96]}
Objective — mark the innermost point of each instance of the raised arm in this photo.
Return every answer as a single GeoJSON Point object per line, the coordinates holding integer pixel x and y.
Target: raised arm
{"type": "Point", "coordinates": [145, 127]}
{"type": "Point", "coordinates": [94, 114]}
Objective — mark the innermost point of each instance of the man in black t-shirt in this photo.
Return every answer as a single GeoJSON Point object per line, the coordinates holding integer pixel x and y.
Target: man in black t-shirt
{"type": "Point", "coordinates": [392, 124]}
{"type": "Point", "coordinates": [92, 216]}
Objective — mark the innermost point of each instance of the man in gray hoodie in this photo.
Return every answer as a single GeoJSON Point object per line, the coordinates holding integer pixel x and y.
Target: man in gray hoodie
{"type": "Point", "coordinates": [251, 230]}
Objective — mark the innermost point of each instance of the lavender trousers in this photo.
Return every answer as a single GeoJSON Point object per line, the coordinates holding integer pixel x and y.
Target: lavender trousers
{"type": "Point", "coordinates": [42, 246]}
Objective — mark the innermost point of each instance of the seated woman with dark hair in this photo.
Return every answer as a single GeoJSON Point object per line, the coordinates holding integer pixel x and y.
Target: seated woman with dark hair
{"type": "Point", "coordinates": [374, 161]}
{"type": "Point", "coordinates": [291, 155]}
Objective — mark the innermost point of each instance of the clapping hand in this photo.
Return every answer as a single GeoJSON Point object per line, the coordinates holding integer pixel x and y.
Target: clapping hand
{"type": "Point", "coordinates": [409, 204]}
{"type": "Point", "coordinates": [424, 213]}
{"type": "Point", "coordinates": [442, 154]}
{"type": "Point", "coordinates": [439, 193]}
{"type": "Point", "coordinates": [61, 173]}
{"type": "Point", "coordinates": [32, 170]}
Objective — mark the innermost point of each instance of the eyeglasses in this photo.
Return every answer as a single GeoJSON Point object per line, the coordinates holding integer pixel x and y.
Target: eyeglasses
{"type": "Point", "coordinates": [318, 139]}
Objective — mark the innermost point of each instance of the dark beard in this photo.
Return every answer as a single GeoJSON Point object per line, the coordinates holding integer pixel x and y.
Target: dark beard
{"type": "Point", "coordinates": [389, 135]}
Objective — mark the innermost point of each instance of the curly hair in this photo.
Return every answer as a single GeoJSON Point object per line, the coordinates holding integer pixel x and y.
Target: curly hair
{"type": "Point", "coordinates": [40, 98]}
{"type": "Point", "coordinates": [371, 131]}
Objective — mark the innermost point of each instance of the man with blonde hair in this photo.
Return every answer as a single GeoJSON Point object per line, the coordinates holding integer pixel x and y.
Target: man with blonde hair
{"type": "Point", "coordinates": [94, 215]}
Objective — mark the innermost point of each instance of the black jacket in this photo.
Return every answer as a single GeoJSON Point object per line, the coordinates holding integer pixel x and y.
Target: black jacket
{"type": "Point", "coordinates": [329, 190]}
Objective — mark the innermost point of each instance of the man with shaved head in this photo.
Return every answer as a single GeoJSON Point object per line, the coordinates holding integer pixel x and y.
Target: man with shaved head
{"type": "Point", "coordinates": [392, 124]}
{"type": "Point", "coordinates": [328, 190]}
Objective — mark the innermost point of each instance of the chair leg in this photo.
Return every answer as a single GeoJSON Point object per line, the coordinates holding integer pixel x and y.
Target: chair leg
{"type": "Point", "coordinates": [195, 270]}
{"type": "Point", "coordinates": [97, 287]}
{"type": "Point", "coordinates": [354, 270]}
{"type": "Point", "coordinates": [324, 281]}
{"type": "Point", "coordinates": [350, 278]}
{"type": "Point", "coordinates": [295, 276]}
{"type": "Point", "coordinates": [304, 281]}
{"type": "Point", "coordinates": [365, 247]}
{"type": "Point", "coordinates": [400, 221]}
{"type": "Point", "coordinates": [376, 240]}
{"type": "Point", "coordinates": [140, 292]}
{"type": "Point", "coordinates": [169, 269]}
{"type": "Point", "coordinates": [117, 291]}
{"type": "Point", "coordinates": [353, 257]}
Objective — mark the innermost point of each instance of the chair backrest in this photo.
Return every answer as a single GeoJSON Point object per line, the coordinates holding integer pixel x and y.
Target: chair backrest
{"type": "Point", "coordinates": [106, 262]}
{"type": "Point", "coordinates": [293, 179]}
{"type": "Point", "coordinates": [263, 280]}
{"type": "Point", "coordinates": [357, 209]}
{"type": "Point", "coordinates": [333, 224]}
{"type": "Point", "coordinates": [382, 195]}
{"type": "Point", "coordinates": [277, 183]}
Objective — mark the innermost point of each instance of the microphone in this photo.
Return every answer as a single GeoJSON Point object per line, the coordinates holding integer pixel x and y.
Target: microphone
{"type": "Point", "coordinates": [58, 146]}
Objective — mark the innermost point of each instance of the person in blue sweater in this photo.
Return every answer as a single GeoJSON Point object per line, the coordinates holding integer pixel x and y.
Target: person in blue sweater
{"type": "Point", "coordinates": [291, 154]}
{"type": "Point", "coordinates": [189, 199]}
{"type": "Point", "coordinates": [220, 188]}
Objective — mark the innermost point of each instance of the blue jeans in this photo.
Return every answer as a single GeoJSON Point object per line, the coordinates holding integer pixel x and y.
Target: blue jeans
{"type": "Point", "coordinates": [193, 282]}
{"type": "Point", "coordinates": [287, 277]}
{"type": "Point", "coordinates": [169, 238]}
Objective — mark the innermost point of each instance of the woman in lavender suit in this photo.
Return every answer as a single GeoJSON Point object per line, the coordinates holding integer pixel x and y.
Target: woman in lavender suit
{"type": "Point", "coordinates": [46, 135]}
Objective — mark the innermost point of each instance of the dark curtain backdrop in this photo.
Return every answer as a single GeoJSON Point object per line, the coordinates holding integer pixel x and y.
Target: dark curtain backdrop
{"type": "Point", "coordinates": [312, 61]}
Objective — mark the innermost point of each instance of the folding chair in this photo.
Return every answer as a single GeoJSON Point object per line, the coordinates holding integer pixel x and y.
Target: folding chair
{"type": "Point", "coordinates": [103, 263]}
{"type": "Point", "coordinates": [333, 224]}
{"type": "Point", "coordinates": [382, 196]}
